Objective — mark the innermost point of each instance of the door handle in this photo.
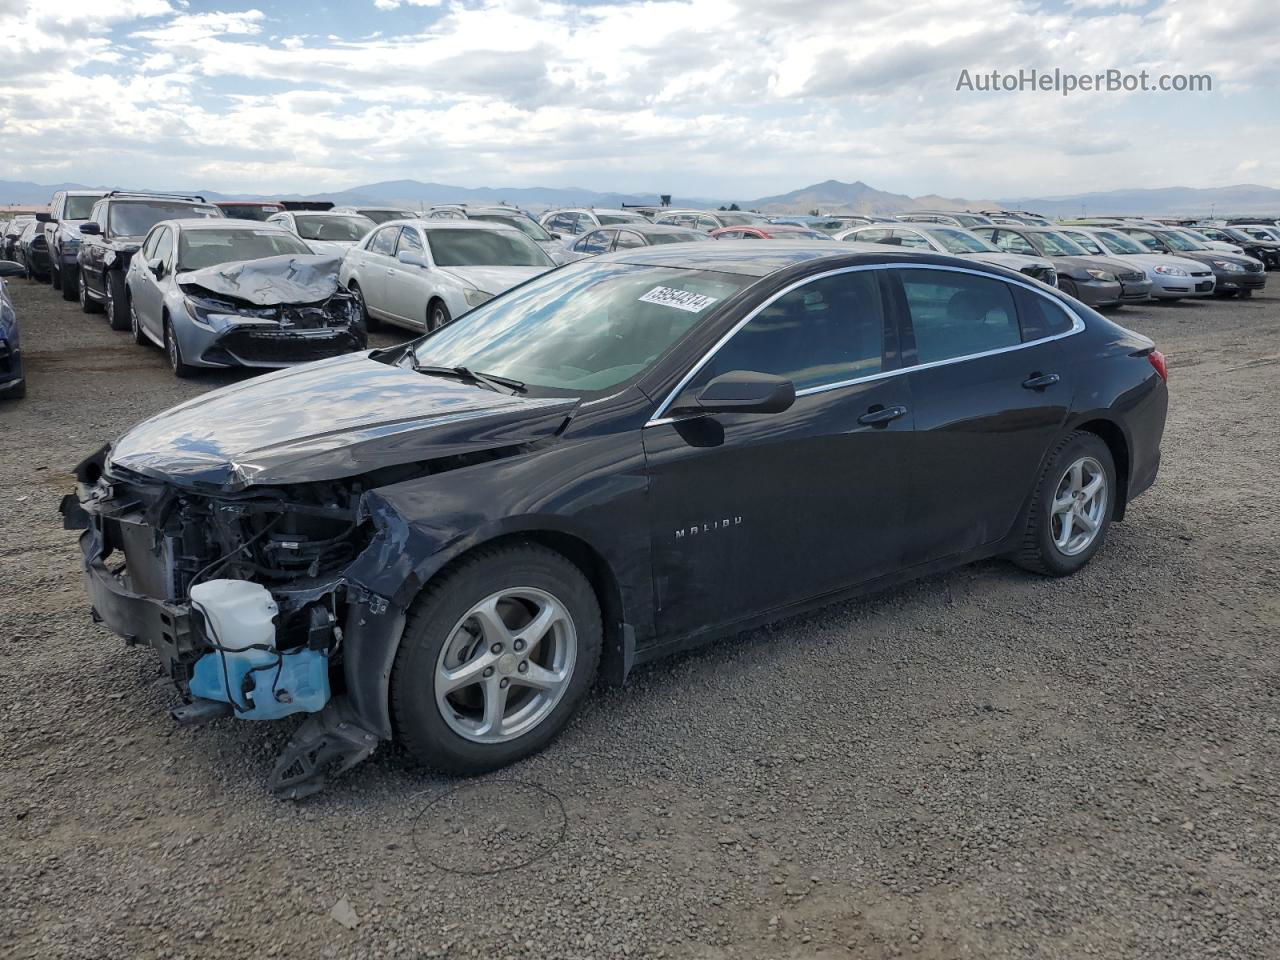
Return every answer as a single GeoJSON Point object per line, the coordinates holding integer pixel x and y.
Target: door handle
{"type": "Point", "coordinates": [1041, 380]}
{"type": "Point", "coordinates": [879, 416]}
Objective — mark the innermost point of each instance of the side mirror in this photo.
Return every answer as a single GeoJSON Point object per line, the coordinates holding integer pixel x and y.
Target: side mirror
{"type": "Point", "coordinates": [556, 236]}
{"type": "Point", "coordinates": [743, 391]}
{"type": "Point", "coordinates": [11, 268]}
{"type": "Point", "coordinates": [156, 266]}
{"type": "Point", "coordinates": [43, 217]}
{"type": "Point", "coordinates": [411, 259]}
{"type": "Point", "coordinates": [91, 228]}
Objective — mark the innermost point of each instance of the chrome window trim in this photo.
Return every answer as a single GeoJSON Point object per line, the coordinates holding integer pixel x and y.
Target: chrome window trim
{"type": "Point", "coordinates": [1077, 326]}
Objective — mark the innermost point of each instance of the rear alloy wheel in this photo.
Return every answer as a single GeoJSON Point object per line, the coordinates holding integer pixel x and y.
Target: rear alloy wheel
{"type": "Point", "coordinates": [117, 305]}
{"type": "Point", "coordinates": [174, 352]}
{"type": "Point", "coordinates": [1072, 507]}
{"type": "Point", "coordinates": [495, 659]}
{"type": "Point", "coordinates": [87, 303]}
{"type": "Point", "coordinates": [437, 315]}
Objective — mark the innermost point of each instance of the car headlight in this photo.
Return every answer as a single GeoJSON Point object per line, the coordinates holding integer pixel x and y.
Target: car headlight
{"type": "Point", "coordinates": [476, 297]}
{"type": "Point", "coordinates": [1102, 275]}
{"type": "Point", "coordinates": [212, 313]}
{"type": "Point", "coordinates": [1228, 266]}
{"type": "Point", "coordinates": [1169, 271]}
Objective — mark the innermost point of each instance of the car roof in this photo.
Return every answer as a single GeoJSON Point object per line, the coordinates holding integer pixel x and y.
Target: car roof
{"type": "Point", "coordinates": [454, 224]}
{"type": "Point", "coordinates": [759, 258]}
{"type": "Point", "coordinates": [645, 227]}
{"type": "Point", "coordinates": [326, 213]}
{"type": "Point", "coordinates": [222, 223]}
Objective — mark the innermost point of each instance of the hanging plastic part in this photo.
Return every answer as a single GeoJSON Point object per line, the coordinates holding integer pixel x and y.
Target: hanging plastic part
{"type": "Point", "coordinates": [328, 744]}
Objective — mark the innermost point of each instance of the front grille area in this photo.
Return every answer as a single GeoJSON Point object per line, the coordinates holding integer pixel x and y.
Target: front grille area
{"type": "Point", "coordinates": [278, 346]}
{"type": "Point", "coordinates": [1132, 277]}
{"type": "Point", "coordinates": [1254, 267]}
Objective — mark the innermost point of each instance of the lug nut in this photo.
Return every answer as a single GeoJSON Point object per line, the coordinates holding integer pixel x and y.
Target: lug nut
{"type": "Point", "coordinates": [504, 683]}
{"type": "Point", "coordinates": [488, 672]}
{"type": "Point", "coordinates": [496, 648]}
{"type": "Point", "coordinates": [519, 645]}
{"type": "Point", "coordinates": [524, 667]}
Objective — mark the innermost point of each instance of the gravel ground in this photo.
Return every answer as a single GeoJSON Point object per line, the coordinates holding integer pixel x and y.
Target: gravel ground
{"type": "Point", "coordinates": [982, 764]}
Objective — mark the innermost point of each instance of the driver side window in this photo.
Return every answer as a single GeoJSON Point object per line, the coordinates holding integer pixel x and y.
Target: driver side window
{"type": "Point", "coordinates": [384, 241]}
{"type": "Point", "coordinates": [827, 331]}
{"type": "Point", "coordinates": [1014, 243]}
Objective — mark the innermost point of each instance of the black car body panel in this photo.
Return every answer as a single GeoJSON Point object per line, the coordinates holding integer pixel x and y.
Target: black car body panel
{"type": "Point", "coordinates": [688, 526]}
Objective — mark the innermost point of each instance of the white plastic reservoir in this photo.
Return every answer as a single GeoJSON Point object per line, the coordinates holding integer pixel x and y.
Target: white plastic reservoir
{"type": "Point", "coordinates": [239, 612]}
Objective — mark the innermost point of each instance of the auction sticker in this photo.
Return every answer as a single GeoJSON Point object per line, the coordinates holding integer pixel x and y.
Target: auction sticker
{"type": "Point", "coordinates": [680, 299]}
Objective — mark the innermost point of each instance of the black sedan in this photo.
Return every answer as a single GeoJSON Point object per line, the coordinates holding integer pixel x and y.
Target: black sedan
{"type": "Point", "coordinates": [609, 463]}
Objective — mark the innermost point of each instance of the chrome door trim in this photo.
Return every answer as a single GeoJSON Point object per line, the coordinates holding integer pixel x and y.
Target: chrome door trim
{"type": "Point", "coordinates": [658, 418]}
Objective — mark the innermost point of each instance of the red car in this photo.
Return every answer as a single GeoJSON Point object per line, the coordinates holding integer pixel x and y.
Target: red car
{"type": "Point", "coordinates": [768, 231]}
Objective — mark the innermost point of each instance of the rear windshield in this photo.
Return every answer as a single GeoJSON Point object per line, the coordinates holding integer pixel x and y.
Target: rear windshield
{"type": "Point", "coordinates": [207, 248]}
{"type": "Point", "coordinates": [133, 218]}
{"type": "Point", "coordinates": [607, 218]}
{"type": "Point", "coordinates": [690, 237]}
{"type": "Point", "coordinates": [336, 227]}
{"type": "Point", "coordinates": [798, 235]}
{"type": "Point", "coordinates": [382, 216]}
{"type": "Point", "coordinates": [739, 219]}
{"type": "Point", "coordinates": [251, 211]}
{"type": "Point", "coordinates": [485, 248]}
{"type": "Point", "coordinates": [961, 242]}
{"type": "Point", "coordinates": [79, 208]}
{"type": "Point", "coordinates": [522, 223]}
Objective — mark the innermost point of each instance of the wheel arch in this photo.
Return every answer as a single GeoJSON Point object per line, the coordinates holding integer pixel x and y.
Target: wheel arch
{"type": "Point", "coordinates": [1113, 435]}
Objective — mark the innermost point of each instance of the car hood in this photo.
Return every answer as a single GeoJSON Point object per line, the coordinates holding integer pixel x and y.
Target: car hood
{"type": "Point", "coordinates": [270, 281]}
{"type": "Point", "coordinates": [330, 247]}
{"type": "Point", "coordinates": [1014, 261]}
{"type": "Point", "coordinates": [494, 279]}
{"type": "Point", "coordinates": [1079, 264]}
{"type": "Point", "coordinates": [1150, 260]}
{"type": "Point", "coordinates": [327, 420]}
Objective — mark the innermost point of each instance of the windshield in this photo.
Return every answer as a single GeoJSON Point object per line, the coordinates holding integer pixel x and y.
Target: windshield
{"type": "Point", "coordinates": [583, 328]}
{"type": "Point", "coordinates": [1261, 234]}
{"type": "Point", "coordinates": [133, 218]}
{"type": "Point", "coordinates": [485, 248]}
{"type": "Point", "coordinates": [1056, 245]}
{"type": "Point", "coordinates": [607, 218]}
{"type": "Point", "coordinates": [1089, 243]}
{"type": "Point", "coordinates": [79, 208]}
{"type": "Point", "coordinates": [740, 219]}
{"type": "Point", "coordinates": [382, 216]}
{"type": "Point", "coordinates": [250, 211]}
{"type": "Point", "coordinates": [343, 228]}
{"type": "Point", "coordinates": [690, 237]}
{"type": "Point", "coordinates": [958, 241]}
{"type": "Point", "coordinates": [526, 226]}
{"type": "Point", "coordinates": [1118, 242]}
{"type": "Point", "coordinates": [198, 249]}
{"type": "Point", "coordinates": [1177, 241]}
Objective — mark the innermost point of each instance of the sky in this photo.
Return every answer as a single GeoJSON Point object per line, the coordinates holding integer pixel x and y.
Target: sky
{"type": "Point", "coordinates": [716, 98]}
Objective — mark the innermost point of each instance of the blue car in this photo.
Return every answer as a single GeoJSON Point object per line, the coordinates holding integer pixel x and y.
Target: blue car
{"type": "Point", "coordinates": [12, 384]}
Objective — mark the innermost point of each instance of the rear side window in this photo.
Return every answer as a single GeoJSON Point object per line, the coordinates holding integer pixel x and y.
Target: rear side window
{"type": "Point", "coordinates": [958, 314]}
{"type": "Point", "coordinates": [1041, 317]}
{"type": "Point", "coordinates": [827, 331]}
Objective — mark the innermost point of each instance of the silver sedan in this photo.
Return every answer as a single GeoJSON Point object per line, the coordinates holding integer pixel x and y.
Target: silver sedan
{"type": "Point", "coordinates": [421, 274]}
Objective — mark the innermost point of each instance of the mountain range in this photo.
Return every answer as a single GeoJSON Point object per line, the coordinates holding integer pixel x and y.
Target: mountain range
{"type": "Point", "coordinates": [830, 196]}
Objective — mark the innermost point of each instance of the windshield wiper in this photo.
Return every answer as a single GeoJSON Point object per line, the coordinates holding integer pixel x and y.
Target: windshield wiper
{"type": "Point", "coordinates": [490, 380]}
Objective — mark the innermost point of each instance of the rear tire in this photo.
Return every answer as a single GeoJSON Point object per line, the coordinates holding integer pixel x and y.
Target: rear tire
{"type": "Point", "coordinates": [70, 283]}
{"type": "Point", "coordinates": [87, 303]}
{"type": "Point", "coordinates": [370, 323]}
{"type": "Point", "coordinates": [442, 633]}
{"type": "Point", "coordinates": [1062, 497]}
{"type": "Point", "coordinates": [117, 306]}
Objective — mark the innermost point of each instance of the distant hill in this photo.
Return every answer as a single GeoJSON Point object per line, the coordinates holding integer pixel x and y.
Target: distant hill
{"type": "Point", "coordinates": [830, 196]}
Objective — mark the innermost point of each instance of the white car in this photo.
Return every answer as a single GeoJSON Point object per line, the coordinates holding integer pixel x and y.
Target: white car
{"type": "Point", "coordinates": [1209, 242]}
{"type": "Point", "coordinates": [955, 241]}
{"type": "Point", "coordinates": [325, 231]}
{"type": "Point", "coordinates": [378, 214]}
{"type": "Point", "coordinates": [1172, 277]}
{"type": "Point", "coordinates": [421, 274]}
{"type": "Point", "coordinates": [510, 216]}
{"type": "Point", "coordinates": [571, 221]}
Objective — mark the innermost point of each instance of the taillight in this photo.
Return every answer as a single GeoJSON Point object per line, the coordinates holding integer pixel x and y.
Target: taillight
{"type": "Point", "coordinates": [1157, 361]}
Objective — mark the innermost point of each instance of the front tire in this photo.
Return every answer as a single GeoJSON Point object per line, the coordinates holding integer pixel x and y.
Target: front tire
{"type": "Point", "coordinates": [87, 303]}
{"type": "Point", "coordinates": [370, 323]}
{"type": "Point", "coordinates": [173, 351]}
{"type": "Point", "coordinates": [117, 305]}
{"type": "Point", "coordinates": [437, 315]}
{"type": "Point", "coordinates": [1072, 507]}
{"type": "Point", "coordinates": [70, 285]}
{"type": "Point", "coordinates": [55, 278]}
{"type": "Point", "coordinates": [496, 657]}
{"type": "Point", "coordinates": [1246, 294]}
{"type": "Point", "coordinates": [135, 325]}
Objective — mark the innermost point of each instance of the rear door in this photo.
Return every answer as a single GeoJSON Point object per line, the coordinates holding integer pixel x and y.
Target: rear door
{"type": "Point", "coordinates": [991, 392]}
{"type": "Point", "coordinates": [750, 512]}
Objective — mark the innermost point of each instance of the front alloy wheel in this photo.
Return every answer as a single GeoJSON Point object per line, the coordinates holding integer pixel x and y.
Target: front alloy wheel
{"type": "Point", "coordinates": [506, 665]}
{"type": "Point", "coordinates": [497, 655]}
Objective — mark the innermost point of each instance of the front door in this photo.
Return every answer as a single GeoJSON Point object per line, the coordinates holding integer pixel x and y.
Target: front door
{"type": "Point", "coordinates": [750, 512]}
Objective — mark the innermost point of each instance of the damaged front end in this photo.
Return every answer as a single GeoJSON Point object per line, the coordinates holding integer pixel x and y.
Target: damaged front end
{"type": "Point", "coordinates": [150, 547]}
{"type": "Point", "coordinates": [272, 312]}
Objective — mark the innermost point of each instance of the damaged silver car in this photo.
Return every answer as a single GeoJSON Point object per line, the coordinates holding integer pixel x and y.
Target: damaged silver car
{"type": "Point", "coordinates": [219, 293]}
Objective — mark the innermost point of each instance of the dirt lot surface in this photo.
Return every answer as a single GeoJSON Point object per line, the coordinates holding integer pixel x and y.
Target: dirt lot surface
{"type": "Point", "coordinates": [982, 764]}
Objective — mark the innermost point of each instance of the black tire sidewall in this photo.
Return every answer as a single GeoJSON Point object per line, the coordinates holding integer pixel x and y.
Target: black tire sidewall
{"type": "Point", "coordinates": [1080, 445]}
{"type": "Point", "coordinates": [418, 722]}
{"type": "Point", "coordinates": [115, 301]}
